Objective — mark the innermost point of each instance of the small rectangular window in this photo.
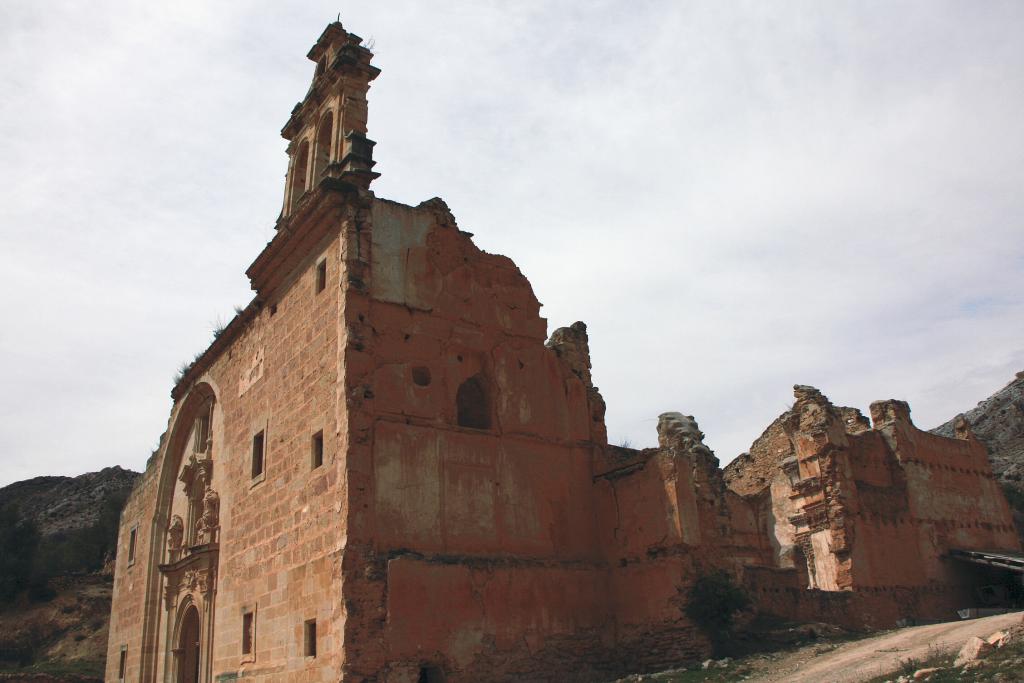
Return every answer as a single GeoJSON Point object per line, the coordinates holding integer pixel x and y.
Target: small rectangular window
{"type": "Point", "coordinates": [309, 638]}
{"type": "Point", "coordinates": [122, 663]}
{"type": "Point", "coordinates": [321, 276]}
{"type": "Point", "coordinates": [248, 624]}
{"type": "Point", "coordinates": [317, 450]}
{"type": "Point", "coordinates": [257, 455]}
{"type": "Point", "coordinates": [132, 536]}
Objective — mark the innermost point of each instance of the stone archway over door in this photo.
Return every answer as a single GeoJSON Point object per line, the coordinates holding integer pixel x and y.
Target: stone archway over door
{"type": "Point", "coordinates": [189, 647]}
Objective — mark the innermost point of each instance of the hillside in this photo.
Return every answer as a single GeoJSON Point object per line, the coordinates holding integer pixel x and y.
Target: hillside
{"type": "Point", "coordinates": [63, 504]}
{"type": "Point", "coordinates": [998, 422]}
{"type": "Point", "coordinates": [58, 536]}
{"type": "Point", "coordinates": [65, 636]}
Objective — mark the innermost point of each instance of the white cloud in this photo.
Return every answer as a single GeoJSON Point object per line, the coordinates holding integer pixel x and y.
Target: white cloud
{"type": "Point", "coordinates": [734, 196]}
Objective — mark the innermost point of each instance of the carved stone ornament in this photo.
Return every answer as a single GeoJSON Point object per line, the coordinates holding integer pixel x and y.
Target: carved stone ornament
{"type": "Point", "coordinates": [197, 473]}
{"type": "Point", "coordinates": [192, 579]}
{"type": "Point", "coordinates": [170, 594]}
{"type": "Point", "coordinates": [206, 580]}
{"type": "Point", "coordinates": [209, 521]}
{"type": "Point", "coordinates": [175, 533]}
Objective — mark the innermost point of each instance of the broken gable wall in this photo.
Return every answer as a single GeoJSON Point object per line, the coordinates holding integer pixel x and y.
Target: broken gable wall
{"type": "Point", "coordinates": [470, 548]}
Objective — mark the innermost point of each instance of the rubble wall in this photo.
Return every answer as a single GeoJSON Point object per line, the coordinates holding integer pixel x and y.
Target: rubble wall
{"type": "Point", "coordinates": [784, 593]}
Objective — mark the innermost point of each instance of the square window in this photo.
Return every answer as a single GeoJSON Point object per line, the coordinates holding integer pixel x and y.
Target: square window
{"type": "Point", "coordinates": [133, 535]}
{"type": "Point", "coordinates": [257, 454]}
{"type": "Point", "coordinates": [248, 626]}
{"type": "Point", "coordinates": [317, 450]}
{"type": "Point", "coordinates": [309, 638]}
{"type": "Point", "coordinates": [321, 276]}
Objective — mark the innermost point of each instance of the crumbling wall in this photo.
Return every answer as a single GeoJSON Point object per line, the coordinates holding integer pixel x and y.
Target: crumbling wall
{"type": "Point", "coordinates": [873, 511]}
{"type": "Point", "coordinates": [668, 519]}
{"type": "Point", "coordinates": [472, 544]}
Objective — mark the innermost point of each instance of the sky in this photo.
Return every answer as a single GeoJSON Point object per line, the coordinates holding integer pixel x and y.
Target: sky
{"type": "Point", "coordinates": [734, 196]}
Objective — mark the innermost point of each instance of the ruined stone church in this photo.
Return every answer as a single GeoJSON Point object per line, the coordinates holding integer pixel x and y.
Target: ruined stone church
{"type": "Point", "coordinates": [385, 470]}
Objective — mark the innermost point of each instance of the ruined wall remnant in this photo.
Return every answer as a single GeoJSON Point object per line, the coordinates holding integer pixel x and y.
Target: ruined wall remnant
{"type": "Point", "coordinates": [879, 509]}
{"type": "Point", "coordinates": [383, 470]}
{"type": "Point", "coordinates": [998, 423]}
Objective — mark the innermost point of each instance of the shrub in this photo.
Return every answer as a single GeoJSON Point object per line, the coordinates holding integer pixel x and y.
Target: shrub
{"type": "Point", "coordinates": [712, 603]}
{"type": "Point", "coordinates": [28, 565]}
{"type": "Point", "coordinates": [19, 539]}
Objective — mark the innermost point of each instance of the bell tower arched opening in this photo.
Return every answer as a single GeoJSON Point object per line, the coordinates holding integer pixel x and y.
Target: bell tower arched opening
{"type": "Point", "coordinates": [324, 138]}
{"type": "Point", "coordinates": [299, 173]}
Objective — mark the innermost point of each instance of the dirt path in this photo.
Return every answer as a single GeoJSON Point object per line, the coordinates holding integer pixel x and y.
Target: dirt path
{"type": "Point", "coordinates": [864, 659]}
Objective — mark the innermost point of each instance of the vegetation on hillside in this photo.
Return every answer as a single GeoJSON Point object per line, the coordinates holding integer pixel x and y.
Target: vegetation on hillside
{"type": "Point", "coordinates": [19, 541]}
{"type": "Point", "coordinates": [27, 565]}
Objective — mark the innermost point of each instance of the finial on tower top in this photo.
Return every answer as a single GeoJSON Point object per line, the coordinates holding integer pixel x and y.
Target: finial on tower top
{"type": "Point", "coordinates": [327, 129]}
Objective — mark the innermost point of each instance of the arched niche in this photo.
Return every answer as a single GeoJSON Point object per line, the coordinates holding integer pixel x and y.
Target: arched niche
{"type": "Point", "coordinates": [473, 404]}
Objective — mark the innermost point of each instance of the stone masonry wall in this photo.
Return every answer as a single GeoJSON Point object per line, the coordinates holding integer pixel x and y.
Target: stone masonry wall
{"type": "Point", "coordinates": [281, 532]}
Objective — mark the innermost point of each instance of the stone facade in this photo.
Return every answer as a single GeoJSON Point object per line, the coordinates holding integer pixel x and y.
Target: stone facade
{"type": "Point", "coordinates": [382, 470]}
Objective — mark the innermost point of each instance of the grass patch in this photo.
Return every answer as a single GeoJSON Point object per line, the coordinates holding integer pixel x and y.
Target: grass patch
{"type": "Point", "coordinates": [733, 672]}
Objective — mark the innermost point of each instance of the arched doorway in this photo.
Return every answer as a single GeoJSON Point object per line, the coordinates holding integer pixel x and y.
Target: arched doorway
{"type": "Point", "coordinates": [188, 647]}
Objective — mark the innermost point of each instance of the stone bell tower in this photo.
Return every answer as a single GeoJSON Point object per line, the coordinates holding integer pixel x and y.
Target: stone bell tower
{"type": "Point", "coordinates": [327, 129]}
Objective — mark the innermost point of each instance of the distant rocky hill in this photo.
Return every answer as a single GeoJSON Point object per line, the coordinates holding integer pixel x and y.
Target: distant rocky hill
{"type": "Point", "coordinates": [55, 607]}
{"type": "Point", "coordinates": [63, 504]}
{"type": "Point", "coordinates": [998, 422]}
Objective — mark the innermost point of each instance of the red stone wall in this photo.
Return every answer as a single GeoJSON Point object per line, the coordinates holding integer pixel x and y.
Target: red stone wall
{"type": "Point", "coordinates": [875, 512]}
{"type": "Point", "coordinates": [781, 592]}
{"type": "Point", "coordinates": [477, 548]}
